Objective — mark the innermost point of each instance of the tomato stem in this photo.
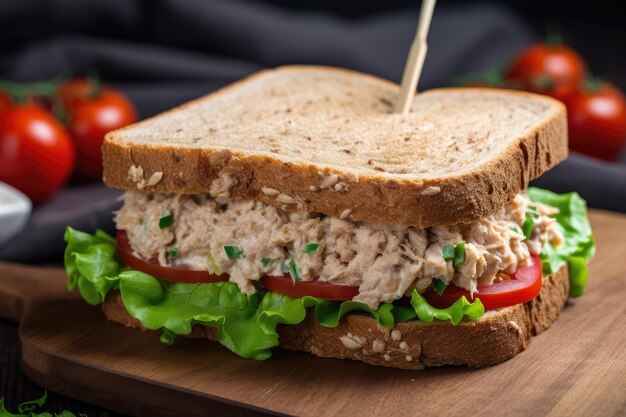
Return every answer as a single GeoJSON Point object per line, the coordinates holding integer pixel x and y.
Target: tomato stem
{"type": "Point", "coordinates": [95, 87]}
{"type": "Point", "coordinates": [591, 83]}
{"type": "Point", "coordinates": [554, 35]}
{"type": "Point", "coordinates": [59, 111]}
{"type": "Point", "coordinates": [17, 91]}
{"type": "Point", "coordinates": [20, 92]}
{"type": "Point", "coordinates": [491, 77]}
{"type": "Point", "coordinates": [44, 88]}
{"type": "Point", "coordinates": [544, 83]}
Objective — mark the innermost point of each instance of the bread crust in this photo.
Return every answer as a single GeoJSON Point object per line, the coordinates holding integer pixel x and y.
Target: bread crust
{"type": "Point", "coordinates": [382, 199]}
{"type": "Point", "coordinates": [495, 338]}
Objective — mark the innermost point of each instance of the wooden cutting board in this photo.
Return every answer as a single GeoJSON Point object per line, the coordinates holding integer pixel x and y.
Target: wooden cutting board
{"type": "Point", "coordinates": [576, 368]}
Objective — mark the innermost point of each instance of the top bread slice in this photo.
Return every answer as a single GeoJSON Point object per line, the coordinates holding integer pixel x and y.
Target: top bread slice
{"type": "Point", "coordinates": [325, 139]}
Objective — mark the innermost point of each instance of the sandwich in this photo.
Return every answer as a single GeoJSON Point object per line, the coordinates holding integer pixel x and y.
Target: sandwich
{"type": "Point", "coordinates": [293, 209]}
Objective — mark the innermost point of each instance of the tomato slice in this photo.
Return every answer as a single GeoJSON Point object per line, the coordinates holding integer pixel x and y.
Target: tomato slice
{"type": "Point", "coordinates": [166, 273]}
{"type": "Point", "coordinates": [524, 285]}
{"type": "Point", "coordinates": [325, 290]}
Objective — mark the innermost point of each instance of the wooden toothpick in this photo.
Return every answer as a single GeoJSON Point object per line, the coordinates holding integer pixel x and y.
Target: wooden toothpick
{"type": "Point", "coordinates": [415, 60]}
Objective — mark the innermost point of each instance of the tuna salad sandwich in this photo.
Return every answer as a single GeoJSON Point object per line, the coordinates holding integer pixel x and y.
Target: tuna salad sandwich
{"type": "Point", "coordinates": [294, 209]}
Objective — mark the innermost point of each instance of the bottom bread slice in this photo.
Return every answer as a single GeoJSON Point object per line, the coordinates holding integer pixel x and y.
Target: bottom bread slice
{"type": "Point", "coordinates": [497, 336]}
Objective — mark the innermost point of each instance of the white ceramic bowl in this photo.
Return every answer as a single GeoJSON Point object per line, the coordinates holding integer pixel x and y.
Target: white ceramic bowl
{"type": "Point", "coordinates": [15, 208]}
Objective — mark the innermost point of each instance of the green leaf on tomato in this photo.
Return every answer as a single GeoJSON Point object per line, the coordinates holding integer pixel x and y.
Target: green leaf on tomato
{"type": "Point", "coordinates": [578, 246]}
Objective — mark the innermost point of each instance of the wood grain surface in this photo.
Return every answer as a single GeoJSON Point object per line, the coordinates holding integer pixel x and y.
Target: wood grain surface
{"type": "Point", "coordinates": [576, 368]}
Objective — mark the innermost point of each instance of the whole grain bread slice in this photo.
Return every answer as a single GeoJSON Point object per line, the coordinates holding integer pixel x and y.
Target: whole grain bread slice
{"type": "Point", "coordinates": [324, 139]}
{"type": "Point", "coordinates": [497, 336]}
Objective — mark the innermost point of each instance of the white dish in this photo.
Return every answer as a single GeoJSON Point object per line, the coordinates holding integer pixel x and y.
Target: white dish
{"type": "Point", "coordinates": [15, 209]}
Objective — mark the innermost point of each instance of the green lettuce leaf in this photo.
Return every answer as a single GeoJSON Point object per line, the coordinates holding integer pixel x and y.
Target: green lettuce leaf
{"type": "Point", "coordinates": [29, 408]}
{"type": "Point", "coordinates": [578, 246]}
{"type": "Point", "coordinates": [328, 313]}
{"type": "Point", "coordinates": [245, 324]}
{"type": "Point", "coordinates": [89, 260]}
{"type": "Point", "coordinates": [423, 311]}
{"type": "Point", "coordinates": [455, 313]}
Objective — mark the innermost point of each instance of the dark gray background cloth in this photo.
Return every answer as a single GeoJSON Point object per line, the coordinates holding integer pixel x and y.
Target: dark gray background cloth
{"type": "Point", "coordinates": [162, 53]}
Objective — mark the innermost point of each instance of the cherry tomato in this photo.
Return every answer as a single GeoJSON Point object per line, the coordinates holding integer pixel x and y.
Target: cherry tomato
{"type": "Point", "coordinates": [36, 153]}
{"type": "Point", "coordinates": [320, 289]}
{"type": "Point", "coordinates": [5, 101]}
{"type": "Point", "coordinates": [597, 121]}
{"type": "Point", "coordinates": [91, 114]}
{"type": "Point", "coordinates": [542, 68]}
{"type": "Point", "coordinates": [71, 90]}
{"type": "Point", "coordinates": [524, 285]}
{"type": "Point", "coordinates": [153, 268]}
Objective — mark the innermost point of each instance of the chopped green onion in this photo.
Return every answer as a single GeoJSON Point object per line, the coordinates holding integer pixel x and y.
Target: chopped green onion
{"type": "Point", "coordinates": [448, 252]}
{"type": "Point", "coordinates": [532, 207]}
{"type": "Point", "coordinates": [173, 252]}
{"type": "Point", "coordinates": [289, 266]}
{"type": "Point", "coordinates": [311, 248]}
{"type": "Point", "coordinates": [166, 219]}
{"type": "Point", "coordinates": [234, 252]}
{"type": "Point", "coordinates": [528, 226]}
{"type": "Point", "coordinates": [515, 229]}
{"type": "Point", "coordinates": [293, 270]}
{"type": "Point", "coordinates": [439, 286]}
{"type": "Point", "coordinates": [459, 255]}
{"type": "Point", "coordinates": [213, 265]}
{"type": "Point", "coordinates": [266, 262]}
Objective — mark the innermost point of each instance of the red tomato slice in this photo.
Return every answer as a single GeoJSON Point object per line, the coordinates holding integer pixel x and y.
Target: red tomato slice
{"type": "Point", "coordinates": [325, 290]}
{"type": "Point", "coordinates": [166, 273]}
{"type": "Point", "coordinates": [524, 285]}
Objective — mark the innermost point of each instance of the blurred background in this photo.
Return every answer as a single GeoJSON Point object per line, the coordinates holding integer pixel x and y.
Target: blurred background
{"type": "Point", "coordinates": [145, 56]}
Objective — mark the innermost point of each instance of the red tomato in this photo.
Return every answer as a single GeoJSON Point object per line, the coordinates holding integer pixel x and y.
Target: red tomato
{"type": "Point", "coordinates": [153, 268]}
{"type": "Point", "coordinates": [90, 118]}
{"type": "Point", "coordinates": [524, 285]}
{"type": "Point", "coordinates": [597, 121]}
{"type": "Point", "coordinates": [72, 90]}
{"type": "Point", "coordinates": [5, 101]}
{"type": "Point", "coordinates": [320, 289]}
{"type": "Point", "coordinates": [543, 67]}
{"type": "Point", "coordinates": [36, 153]}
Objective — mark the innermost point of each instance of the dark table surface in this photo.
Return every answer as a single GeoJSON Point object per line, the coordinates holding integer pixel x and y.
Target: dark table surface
{"type": "Point", "coordinates": [16, 388]}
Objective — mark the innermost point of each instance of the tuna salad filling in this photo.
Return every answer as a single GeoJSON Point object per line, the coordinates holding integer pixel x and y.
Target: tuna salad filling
{"type": "Point", "coordinates": [248, 239]}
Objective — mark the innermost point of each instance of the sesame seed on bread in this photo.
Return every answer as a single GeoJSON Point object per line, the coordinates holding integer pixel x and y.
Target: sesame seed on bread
{"type": "Point", "coordinates": [324, 139]}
